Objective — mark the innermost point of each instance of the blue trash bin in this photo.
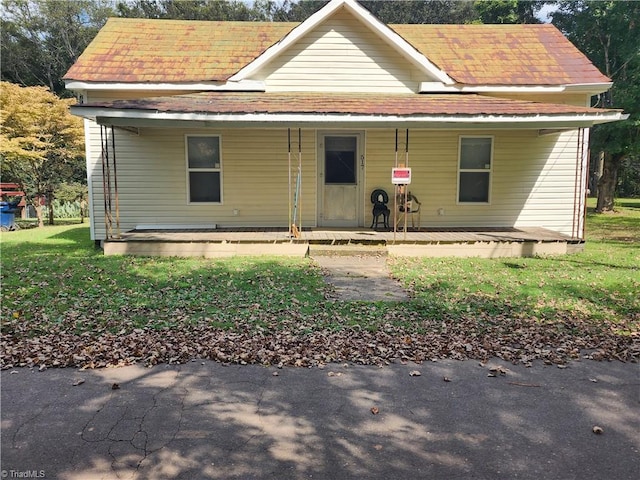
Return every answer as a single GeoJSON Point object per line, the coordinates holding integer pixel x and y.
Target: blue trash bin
{"type": "Point", "coordinates": [7, 216]}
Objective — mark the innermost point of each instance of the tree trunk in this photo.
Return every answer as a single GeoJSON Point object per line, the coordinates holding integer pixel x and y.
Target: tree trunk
{"type": "Point", "coordinates": [50, 211]}
{"type": "Point", "coordinates": [38, 208]}
{"type": "Point", "coordinates": [607, 183]}
{"type": "Point", "coordinates": [597, 175]}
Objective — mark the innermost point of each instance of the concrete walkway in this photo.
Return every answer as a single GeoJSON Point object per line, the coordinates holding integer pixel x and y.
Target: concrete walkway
{"type": "Point", "coordinates": [453, 420]}
{"type": "Point", "coordinates": [360, 275]}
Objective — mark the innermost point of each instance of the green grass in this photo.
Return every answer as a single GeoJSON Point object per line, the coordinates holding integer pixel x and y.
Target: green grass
{"type": "Point", "coordinates": [601, 283]}
{"type": "Point", "coordinates": [54, 277]}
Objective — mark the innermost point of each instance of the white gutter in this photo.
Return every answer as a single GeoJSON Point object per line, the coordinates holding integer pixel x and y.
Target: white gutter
{"type": "Point", "coordinates": [592, 88]}
{"type": "Point", "coordinates": [260, 86]}
{"type": "Point", "coordinates": [130, 117]}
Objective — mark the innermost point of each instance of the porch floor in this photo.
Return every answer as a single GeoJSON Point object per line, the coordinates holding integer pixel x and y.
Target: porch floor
{"type": "Point", "coordinates": [482, 242]}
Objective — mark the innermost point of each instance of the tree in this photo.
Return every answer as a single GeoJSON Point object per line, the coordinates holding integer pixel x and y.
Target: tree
{"type": "Point", "coordinates": [41, 39]}
{"type": "Point", "coordinates": [508, 11]}
{"type": "Point", "coordinates": [430, 11]}
{"type": "Point", "coordinates": [41, 143]}
{"type": "Point", "coordinates": [261, 10]}
{"type": "Point", "coordinates": [608, 32]}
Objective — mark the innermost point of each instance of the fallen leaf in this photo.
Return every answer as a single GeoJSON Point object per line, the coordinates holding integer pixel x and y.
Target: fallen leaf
{"type": "Point", "coordinates": [79, 381]}
{"type": "Point", "coordinates": [378, 447]}
{"type": "Point", "coordinates": [375, 410]}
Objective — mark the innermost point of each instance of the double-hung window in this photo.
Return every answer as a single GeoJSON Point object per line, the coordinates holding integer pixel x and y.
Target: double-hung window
{"type": "Point", "coordinates": [204, 168]}
{"type": "Point", "coordinates": [474, 172]}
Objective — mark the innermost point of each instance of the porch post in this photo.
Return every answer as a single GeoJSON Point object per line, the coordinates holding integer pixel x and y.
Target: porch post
{"type": "Point", "coordinates": [580, 185]}
{"type": "Point", "coordinates": [395, 194]}
{"type": "Point", "coordinates": [107, 189]}
{"type": "Point", "coordinates": [289, 158]}
{"type": "Point", "coordinates": [115, 182]}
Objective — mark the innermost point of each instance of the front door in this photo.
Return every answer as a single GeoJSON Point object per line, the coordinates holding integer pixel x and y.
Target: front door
{"type": "Point", "coordinates": [340, 171]}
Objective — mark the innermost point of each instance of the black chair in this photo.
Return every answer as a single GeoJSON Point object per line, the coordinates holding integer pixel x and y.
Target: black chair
{"type": "Point", "coordinates": [379, 198]}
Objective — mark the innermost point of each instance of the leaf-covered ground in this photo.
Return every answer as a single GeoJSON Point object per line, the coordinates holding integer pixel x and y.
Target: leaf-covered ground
{"type": "Point", "coordinates": [310, 341]}
{"type": "Point", "coordinates": [65, 304]}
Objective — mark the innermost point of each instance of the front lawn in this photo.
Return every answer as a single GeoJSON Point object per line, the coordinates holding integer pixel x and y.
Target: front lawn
{"type": "Point", "coordinates": [64, 303]}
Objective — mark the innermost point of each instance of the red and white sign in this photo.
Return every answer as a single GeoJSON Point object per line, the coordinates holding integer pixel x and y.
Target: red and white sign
{"type": "Point", "coordinates": [401, 176]}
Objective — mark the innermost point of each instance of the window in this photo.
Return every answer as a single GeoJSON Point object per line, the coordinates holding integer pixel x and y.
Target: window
{"type": "Point", "coordinates": [474, 174]}
{"type": "Point", "coordinates": [340, 160]}
{"type": "Point", "coordinates": [204, 169]}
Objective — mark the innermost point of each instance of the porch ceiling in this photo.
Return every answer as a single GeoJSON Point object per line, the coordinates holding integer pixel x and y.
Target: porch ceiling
{"type": "Point", "coordinates": [321, 108]}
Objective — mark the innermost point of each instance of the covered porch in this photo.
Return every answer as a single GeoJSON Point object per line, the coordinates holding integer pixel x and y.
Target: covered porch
{"type": "Point", "coordinates": [490, 242]}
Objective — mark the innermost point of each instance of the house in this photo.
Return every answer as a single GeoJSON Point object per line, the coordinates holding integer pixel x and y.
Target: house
{"type": "Point", "coordinates": [241, 126]}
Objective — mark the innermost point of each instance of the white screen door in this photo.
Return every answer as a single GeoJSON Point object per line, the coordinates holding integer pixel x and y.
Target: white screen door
{"type": "Point", "coordinates": [340, 180]}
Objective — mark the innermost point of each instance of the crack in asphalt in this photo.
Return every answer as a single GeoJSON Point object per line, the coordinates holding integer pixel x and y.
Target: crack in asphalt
{"type": "Point", "coordinates": [137, 438]}
{"type": "Point", "coordinates": [26, 422]}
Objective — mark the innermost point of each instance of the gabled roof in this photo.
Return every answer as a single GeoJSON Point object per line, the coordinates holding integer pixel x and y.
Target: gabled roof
{"type": "Point", "coordinates": [166, 51]}
{"type": "Point", "coordinates": [527, 54]}
{"type": "Point", "coordinates": [395, 41]}
{"type": "Point", "coordinates": [175, 51]}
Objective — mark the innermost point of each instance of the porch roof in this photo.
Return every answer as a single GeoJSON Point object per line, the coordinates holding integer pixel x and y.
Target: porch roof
{"type": "Point", "coordinates": [312, 108]}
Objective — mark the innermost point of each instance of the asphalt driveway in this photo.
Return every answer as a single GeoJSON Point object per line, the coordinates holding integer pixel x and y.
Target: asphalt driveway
{"type": "Point", "coordinates": [437, 420]}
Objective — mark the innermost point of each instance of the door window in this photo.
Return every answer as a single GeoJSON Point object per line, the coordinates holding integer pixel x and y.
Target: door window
{"type": "Point", "coordinates": [340, 160]}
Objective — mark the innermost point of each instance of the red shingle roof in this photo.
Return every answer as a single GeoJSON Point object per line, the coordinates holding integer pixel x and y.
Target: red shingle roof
{"type": "Point", "coordinates": [158, 51]}
{"type": "Point", "coordinates": [166, 51]}
{"type": "Point", "coordinates": [502, 54]}
{"type": "Point", "coordinates": [347, 103]}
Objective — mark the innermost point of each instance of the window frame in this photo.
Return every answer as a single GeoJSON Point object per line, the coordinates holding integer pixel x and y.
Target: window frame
{"type": "Point", "coordinates": [475, 170]}
{"type": "Point", "coordinates": [190, 170]}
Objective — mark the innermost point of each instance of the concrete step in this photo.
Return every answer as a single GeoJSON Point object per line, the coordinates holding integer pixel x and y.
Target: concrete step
{"type": "Point", "coordinates": [348, 250]}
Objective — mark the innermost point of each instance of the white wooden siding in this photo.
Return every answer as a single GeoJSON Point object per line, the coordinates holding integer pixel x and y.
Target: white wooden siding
{"type": "Point", "coordinates": [532, 183]}
{"type": "Point", "coordinates": [532, 178]}
{"type": "Point", "coordinates": [152, 181]}
{"type": "Point", "coordinates": [341, 55]}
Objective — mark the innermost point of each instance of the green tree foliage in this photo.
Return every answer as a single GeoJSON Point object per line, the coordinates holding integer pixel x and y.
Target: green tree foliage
{"type": "Point", "coordinates": [196, 9]}
{"type": "Point", "coordinates": [608, 32]}
{"type": "Point", "coordinates": [297, 11]}
{"type": "Point", "coordinates": [508, 11]}
{"type": "Point", "coordinates": [391, 11]}
{"type": "Point", "coordinates": [41, 143]}
{"type": "Point", "coordinates": [434, 11]}
{"type": "Point", "coordinates": [41, 39]}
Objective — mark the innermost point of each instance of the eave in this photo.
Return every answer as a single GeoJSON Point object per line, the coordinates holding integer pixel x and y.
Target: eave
{"type": "Point", "coordinates": [586, 88]}
{"type": "Point", "coordinates": [203, 86]}
{"type": "Point", "coordinates": [265, 110]}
